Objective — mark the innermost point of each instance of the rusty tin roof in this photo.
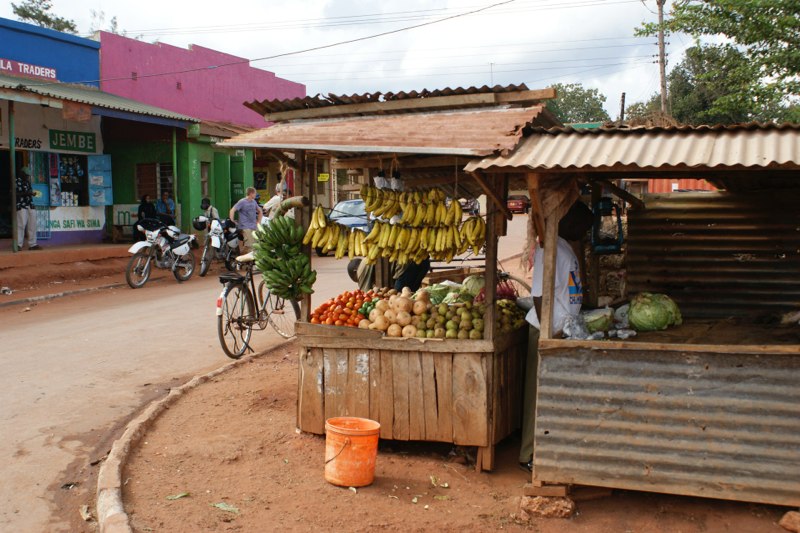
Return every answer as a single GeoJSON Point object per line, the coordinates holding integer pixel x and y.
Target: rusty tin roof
{"type": "Point", "coordinates": [472, 132]}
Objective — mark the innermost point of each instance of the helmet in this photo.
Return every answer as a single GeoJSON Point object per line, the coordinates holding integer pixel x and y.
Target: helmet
{"type": "Point", "coordinates": [199, 223]}
{"type": "Point", "coordinates": [205, 203]}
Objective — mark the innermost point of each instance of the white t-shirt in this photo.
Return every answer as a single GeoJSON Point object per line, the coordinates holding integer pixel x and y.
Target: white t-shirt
{"type": "Point", "coordinates": [568, 293]}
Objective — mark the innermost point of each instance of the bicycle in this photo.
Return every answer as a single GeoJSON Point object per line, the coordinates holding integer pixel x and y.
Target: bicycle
{"type": "Point", "coordinates": [241, 307]}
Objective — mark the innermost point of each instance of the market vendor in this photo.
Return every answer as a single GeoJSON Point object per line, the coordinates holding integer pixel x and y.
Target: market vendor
{"type": "Point", "coordinates": [567, 300]}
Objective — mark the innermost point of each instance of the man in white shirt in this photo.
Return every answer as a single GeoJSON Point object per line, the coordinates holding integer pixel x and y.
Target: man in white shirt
{"type": "Point", "coordinates": [567, 300]}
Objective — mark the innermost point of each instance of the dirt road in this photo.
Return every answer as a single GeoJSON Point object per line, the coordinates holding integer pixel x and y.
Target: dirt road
{"type": "Point", "coordinates": [75, 369]}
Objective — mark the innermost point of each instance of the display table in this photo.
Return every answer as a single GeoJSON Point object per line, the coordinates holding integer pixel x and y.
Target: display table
{"type": "Point", "coordinates": [467, 392]}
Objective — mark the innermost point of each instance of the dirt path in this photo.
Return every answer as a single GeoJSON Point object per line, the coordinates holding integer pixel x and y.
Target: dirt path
{"type": "Point", "coordinates": [233, 441]}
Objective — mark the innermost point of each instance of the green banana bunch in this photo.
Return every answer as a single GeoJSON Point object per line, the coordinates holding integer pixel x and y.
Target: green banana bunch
{"type": "Point", "coordinates": [278, 255]}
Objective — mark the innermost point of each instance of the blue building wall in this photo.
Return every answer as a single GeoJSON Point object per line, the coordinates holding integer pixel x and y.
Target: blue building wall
{"type": "Point", "coordinates": [76, 59]}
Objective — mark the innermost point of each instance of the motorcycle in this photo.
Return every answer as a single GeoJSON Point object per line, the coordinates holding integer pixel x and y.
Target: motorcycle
{"type": "Point", "coordinates": [165, 247]}
{"type": "Point", "coordinates": [222, 242]}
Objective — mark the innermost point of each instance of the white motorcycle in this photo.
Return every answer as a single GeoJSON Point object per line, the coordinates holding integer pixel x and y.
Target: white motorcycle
{"type": "Point", "coordinates": [165, 247]}
{"type": "Point", "coordinates": [222, 242]}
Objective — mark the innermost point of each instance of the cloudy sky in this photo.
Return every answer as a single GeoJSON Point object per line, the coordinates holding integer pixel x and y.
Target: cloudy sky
{"type": "Point", "coordinates": [480, 42]}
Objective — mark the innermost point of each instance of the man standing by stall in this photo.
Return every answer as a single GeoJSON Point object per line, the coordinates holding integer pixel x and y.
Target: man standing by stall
{"type": "Point", "coordinates": [249, 216]}
{"type": "Point", "coordinates": [567, 300]}
{"type": "Point", "coordinates": [26, 213]}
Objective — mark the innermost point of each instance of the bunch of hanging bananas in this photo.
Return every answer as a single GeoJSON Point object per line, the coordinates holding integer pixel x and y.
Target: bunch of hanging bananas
{"type": "Point", "coordinates": [332, 236]}
{"type": "Point", "coordinates": [418, 208]}
{"type": "Point", "coordinates": [401, 244]}
{"type": "Point", "coordinates": [278, 255]}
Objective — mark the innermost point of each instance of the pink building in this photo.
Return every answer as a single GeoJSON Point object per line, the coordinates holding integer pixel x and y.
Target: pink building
{"type": "Point", "coordinates": [215, 94]}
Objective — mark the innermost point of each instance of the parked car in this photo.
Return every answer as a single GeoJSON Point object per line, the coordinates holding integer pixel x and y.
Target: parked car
{"type": "Point", "coordinates": [349, 213]}
{"type": "Point", "coordinates": [469, 206]}
{"type": "Point", "coordinates": [518, 203]}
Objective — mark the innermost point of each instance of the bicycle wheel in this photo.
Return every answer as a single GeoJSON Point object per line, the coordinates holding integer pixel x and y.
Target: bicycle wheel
{"type": "Point", "coordinates": [520, 286]}
{"type": "Point", "coordinates": [235, 319]}
{"type": "Point", "coordinates": [138, 271]}
{"type": "Point", "coordinates": [205, 259]}
{"type": "Point", "coordinates": [283, 314]}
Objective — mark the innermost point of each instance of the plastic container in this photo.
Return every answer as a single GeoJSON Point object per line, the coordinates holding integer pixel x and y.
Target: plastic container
{"type": "Point", "coordinates": [351, 447]}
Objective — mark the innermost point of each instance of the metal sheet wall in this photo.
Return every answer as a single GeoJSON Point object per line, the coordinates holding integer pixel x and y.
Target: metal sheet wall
{"type": "Point", "coordinates": [701, 424]}
{"type": "Point", "coordinates": [718, 254]}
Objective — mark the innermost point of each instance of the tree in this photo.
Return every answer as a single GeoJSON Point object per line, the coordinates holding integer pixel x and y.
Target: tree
{"type": "Point", "coordinates": [766, 32]}
{"type": "Point", "coordinates": [38, 12]}
{"type": "Point", "coordinates": [573, 104]}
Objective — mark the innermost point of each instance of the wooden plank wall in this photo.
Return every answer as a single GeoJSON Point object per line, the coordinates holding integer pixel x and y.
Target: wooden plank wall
{"type": "Point", "coordinates": [471, 399]}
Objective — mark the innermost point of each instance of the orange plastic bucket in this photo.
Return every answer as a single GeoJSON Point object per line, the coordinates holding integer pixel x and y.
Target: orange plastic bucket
{"type": "Point", "coordinates": [351, 447]}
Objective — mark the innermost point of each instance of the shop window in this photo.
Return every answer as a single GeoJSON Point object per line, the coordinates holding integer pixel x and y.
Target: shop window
{"type": "Point", "coordinates": [205, 171]}
{"type": "Point", "coordinates": [153, 179]}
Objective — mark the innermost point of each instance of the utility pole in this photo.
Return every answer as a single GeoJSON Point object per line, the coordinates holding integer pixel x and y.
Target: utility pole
{"type": "Point", "coordinates": [662, 64]}
{"type": "Point", "coordinates": [622, 109]}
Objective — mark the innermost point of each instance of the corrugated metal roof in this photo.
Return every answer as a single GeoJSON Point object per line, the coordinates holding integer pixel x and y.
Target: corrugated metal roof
{"type": "Point", "coordinates": [465, 132]}
{"type": "Point", "coordinates": [223, 129]}
{"type": "Point", "coordinates": [312, 102]}
{"type": "Point", "coordinates": [676, 421]}
{"type": "Point", "coordinates": [88, 95]}
{"type": "Point", "coordinates": [746, 145]}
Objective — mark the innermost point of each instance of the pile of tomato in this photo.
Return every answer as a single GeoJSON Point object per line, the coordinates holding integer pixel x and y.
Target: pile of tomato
{"type": "Point", "coordinates": [343, 310]}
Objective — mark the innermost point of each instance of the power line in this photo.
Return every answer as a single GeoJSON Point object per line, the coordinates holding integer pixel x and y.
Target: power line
{"type": "Point", "coordinates": [297, 52]}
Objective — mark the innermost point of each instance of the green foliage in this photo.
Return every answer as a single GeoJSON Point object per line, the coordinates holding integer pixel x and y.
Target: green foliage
{"type": "Point", "coordinates": [573, 104]}
{"type": "Point", "coordinates": [639, 111]}
{"type": "Point", "coordinates": [38, 12]}
{"type": "Point", "coordinates": [765, 32]}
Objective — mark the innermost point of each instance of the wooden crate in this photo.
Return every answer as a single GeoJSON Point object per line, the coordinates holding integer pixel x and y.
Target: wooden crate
{"type": "Point", "coordinates": [459, 391]}
{"type": "Point", "coordinates": [453, 274]}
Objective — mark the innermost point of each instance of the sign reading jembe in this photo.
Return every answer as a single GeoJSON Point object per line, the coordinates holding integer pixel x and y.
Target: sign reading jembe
{"type": "Point", "coordinates": [76, 141]}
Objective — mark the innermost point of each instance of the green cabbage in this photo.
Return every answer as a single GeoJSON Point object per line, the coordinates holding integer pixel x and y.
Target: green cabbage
{"type": "Point", "coordinates": [473, 284]}
{"type": "Point", "coordinates": [438, 291]}
{"type": "Point", "coordinates": [598, 319]}
{"type": "Point", "coordinates": [653, 312]}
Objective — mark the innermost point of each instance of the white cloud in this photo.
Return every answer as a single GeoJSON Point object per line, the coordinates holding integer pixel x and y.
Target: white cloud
{"type": "Point", "coordinates": [537, 42]}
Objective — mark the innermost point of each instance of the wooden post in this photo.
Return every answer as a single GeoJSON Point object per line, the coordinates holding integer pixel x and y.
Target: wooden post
{"type": "Point", "coordinates": [303, 217]}
{"type": "Point", "coordinates": [15, 246]}
{"type": "Point", "coordinates": [490, 275]}
{"type": "Point", "coordinates": [549, 276]}
{"type": "Point", "coordinates": [594, 275]}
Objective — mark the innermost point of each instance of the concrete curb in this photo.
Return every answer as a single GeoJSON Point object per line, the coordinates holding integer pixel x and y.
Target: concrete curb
{"type": "Point", "coordinates": [111, 515]}
{"type": "Point", "coordinates": [45, 297]}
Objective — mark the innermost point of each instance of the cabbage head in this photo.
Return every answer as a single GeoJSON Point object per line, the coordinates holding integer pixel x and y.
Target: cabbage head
{"type": "Point", "coordinates": [598, 319]}
{"type": "Point", "coordinates": [653, 312]}
{"type": "Point", "coordinates": [473, 284]}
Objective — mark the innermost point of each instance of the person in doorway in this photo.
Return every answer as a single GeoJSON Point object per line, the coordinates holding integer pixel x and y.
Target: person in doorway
{"type": "Point", "coordinates": [26, 213]}
{"type": "Point", "coordinates": [249, 215]}
{"type": "Point", "coordinates": [567, 300]}
{"type": "Point", "coordinates": [209, 211]}
{"type": "Point", "coordinates": [165, 208]}
{"type": "Point", "coordinates": [146, 209]}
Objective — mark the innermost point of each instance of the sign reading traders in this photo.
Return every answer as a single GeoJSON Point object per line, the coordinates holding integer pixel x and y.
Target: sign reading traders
{"type": "Point", "coordinates": [75, 141]}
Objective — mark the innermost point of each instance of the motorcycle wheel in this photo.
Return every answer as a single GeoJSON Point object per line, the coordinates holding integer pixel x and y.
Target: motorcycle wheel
{"type": "Point", "coordinates": [138, 271]}
{"type": "Point", "coordinates": [230, 257]}
{"type": "Point", "coordinates": [184, 266]}
{"type": "Point", "coordinates": [205, 260]}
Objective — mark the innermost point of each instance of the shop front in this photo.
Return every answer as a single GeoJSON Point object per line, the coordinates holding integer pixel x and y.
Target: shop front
{"type": "Point", "coordinates": [70, 175]}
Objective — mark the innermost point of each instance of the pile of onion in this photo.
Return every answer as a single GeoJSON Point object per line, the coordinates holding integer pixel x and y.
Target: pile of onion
{"type": "Point", "coordinates": [398, 316]}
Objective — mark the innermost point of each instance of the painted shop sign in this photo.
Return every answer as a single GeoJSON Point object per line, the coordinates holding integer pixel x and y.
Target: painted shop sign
{"type": "Point", "coordinates": [72, 141]}
{"type": "Point", "coordinates": [77, 218]}
{"type": "Point", "coordinates": [58, 135]}
{"type": "Point", "coordinates": [18, 68]}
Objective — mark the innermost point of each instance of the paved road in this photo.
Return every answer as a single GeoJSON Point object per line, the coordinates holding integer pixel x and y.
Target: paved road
{"type": "Point", "coordinates": [72, 369]}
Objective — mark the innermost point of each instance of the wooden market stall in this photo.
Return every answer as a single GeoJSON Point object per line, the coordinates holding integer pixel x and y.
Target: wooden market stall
{"type": "Point", "coordinates": [709, 408]}
{"type": "Point", "coordinates": [467, 392]}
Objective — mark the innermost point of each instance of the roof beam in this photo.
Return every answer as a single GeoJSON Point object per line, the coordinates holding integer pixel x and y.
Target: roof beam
{"type": "Point", "coordinates": [416, 104]}
{"type": "Point", "coordinates": [490, 193]}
